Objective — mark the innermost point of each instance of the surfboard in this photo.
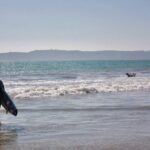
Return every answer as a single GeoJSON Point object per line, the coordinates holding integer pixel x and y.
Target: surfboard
{"type": "Point", "coordinates": [7, 103]}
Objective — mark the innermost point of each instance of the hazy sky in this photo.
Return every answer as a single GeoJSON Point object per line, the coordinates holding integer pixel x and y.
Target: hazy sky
{"type": "Point", "coordinates": [27, 25]}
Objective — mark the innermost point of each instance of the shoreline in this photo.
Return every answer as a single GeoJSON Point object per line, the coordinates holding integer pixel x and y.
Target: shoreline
{"type": "Point", "coordinates": [72, 143]}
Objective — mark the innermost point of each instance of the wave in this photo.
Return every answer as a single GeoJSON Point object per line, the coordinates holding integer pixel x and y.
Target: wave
{"type": "Point", "coordinates": [100, 108]}
{"type": "Point", "coordinates": [41, 88]}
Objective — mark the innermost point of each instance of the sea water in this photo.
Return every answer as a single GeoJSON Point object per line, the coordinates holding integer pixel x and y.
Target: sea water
{"type": "Point", "coordinates": [47, 79]}
{"type": "Point", "coordinates": [76, 104]}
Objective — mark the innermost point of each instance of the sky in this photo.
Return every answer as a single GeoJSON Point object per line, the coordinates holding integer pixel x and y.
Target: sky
{"type": "Point", "coordinates": [27, 25]}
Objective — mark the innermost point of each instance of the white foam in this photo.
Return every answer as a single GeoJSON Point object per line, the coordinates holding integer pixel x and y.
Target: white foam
{"type": "Point", "coordinates": [59, 88]}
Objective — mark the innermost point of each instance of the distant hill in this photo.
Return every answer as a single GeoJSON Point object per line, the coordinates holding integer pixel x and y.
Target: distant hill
{"type": "Point", "coordinates": [50, 55]}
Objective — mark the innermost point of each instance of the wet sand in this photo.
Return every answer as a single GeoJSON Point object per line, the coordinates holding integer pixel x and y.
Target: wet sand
{"type": "Point", "coordinates": [77, 143]}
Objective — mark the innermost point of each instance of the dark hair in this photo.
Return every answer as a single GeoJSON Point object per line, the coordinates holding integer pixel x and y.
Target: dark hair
{"type": "Point", "coordinates": [1, 84]}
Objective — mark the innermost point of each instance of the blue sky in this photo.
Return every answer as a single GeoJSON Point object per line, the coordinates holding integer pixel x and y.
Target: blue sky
{"type": "Point", "coordinates": [27, 25]}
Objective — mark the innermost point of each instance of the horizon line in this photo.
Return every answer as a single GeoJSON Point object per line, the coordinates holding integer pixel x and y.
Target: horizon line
{"type": "Point", "coordinates": [71, 50]}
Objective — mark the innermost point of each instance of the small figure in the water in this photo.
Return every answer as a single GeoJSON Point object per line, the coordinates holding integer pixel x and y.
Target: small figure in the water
{"type": "Point", "coordinates": [6, 101]}
{"type": "Point", "coordinates": [131, 74]}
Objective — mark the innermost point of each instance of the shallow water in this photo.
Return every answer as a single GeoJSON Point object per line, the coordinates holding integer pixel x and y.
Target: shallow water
{"type": "Point", "coordinates": [99, 121]}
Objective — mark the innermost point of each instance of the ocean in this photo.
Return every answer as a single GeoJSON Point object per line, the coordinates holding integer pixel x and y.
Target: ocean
{"type": "Point", "coordinates": [76, 105]}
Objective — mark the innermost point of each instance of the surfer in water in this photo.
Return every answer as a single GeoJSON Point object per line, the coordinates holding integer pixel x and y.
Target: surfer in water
{"type": "Point", "coordinates": [6, 101]}
{"type": "Point", "coordinates": [131, 74]}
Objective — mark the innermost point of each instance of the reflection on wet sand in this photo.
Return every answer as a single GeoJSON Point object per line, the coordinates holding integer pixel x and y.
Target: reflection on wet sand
{"type": "Point", "coordinates": [8, 136]}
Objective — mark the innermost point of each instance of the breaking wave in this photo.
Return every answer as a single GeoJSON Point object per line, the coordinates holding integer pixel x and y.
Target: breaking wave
{"type": "Point", "coordinates": [36, 89]}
